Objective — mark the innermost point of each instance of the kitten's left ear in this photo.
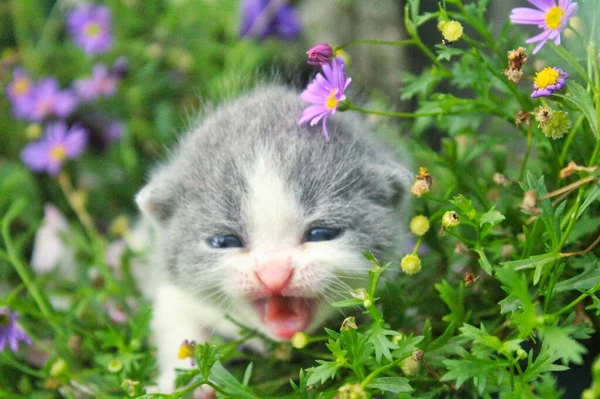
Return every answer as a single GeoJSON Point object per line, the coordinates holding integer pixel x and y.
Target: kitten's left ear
{"type": "Point", "coordinates": [158, 198]}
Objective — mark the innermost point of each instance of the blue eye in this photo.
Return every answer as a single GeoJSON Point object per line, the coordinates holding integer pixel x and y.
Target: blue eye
{"type": "Point", "coordinates": [221, 242]}
{"type": "Point", "coordinates": [323, 234]}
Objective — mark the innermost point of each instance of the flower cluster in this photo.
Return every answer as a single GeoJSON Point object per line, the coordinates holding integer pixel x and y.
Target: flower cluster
{"type": "Point", "coordinates": [44, 101]}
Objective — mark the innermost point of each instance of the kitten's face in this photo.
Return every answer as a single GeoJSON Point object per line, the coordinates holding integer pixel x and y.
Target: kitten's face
{"type": "Point", "coordinates": [269, 222]}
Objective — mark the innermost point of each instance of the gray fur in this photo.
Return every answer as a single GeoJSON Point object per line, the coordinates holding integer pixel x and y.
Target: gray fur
{"type": "Point", "coordinates": [351, 182]}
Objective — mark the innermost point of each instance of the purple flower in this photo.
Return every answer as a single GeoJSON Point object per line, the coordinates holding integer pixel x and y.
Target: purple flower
{"type": "Point", "coordinates": [10, 331]}
{"type": "Point", "coordinates": [90, 28]}
{"type": "Point", "coordinates": [102, 83]}
{"type": "Point", "coordinates": [19, 92]}
{"type": "Point", "coordinates": [114, 131]}
{"type": "Point", "coordinates": [549, 16]}
{"type": "Point", "coordinates": [547, 81]}
{"type": "Point", "coordinates": [325, 92]}
{"type": "Point", "coordinates": [57, 145]}
{"type": "Point", "coordinates": [320, 54]}
{"type": "Point", "coordinates": [263, 18]}
{"type": "Point", "coordinates": [47, 100]}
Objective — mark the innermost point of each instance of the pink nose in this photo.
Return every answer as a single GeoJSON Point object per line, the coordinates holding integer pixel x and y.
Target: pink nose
{"type": "Point", "coordinates": [274, 273]}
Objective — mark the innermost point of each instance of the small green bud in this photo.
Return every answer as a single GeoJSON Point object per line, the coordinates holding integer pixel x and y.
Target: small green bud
{"type": "Point", "coordinates": [300, 340]}
{"type": "Point", "coordinates": [450, 220]}
{"type": "Point", "coordinates": [115, 365]}
{"type": "Point", "coordinates": [521, 354]}
{"type": "Point", "coordinates": [130, 387]}
{"type": "Point", "coordinates": [58, 368]}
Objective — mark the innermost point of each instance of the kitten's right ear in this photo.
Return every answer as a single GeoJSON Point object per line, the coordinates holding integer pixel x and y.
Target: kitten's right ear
{"type": "Point", "coordinates": [156, 200]}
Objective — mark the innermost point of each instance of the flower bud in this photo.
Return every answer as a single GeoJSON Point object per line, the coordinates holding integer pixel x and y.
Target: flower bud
{"type": "Point", "coordinates": [450, 220]}
{"type": "Point", "coordinates": [58, 368]}
{"type": "Point", "coordinates": [419, 225]}
{"type": "Point", "coordinates": [115, 365]}
{"type": "Point", "coordinates": [300, 340]}
{"type": "Point", "coordinates": [410, 264]}
{"type": "Point", "coordinates": [451, 30]}
{"type": "Point", "coordinates": [521, 354]}
{"type": "Point", "coordinates": [319, 54]}
{"type": "Point", "coordinates": [410, 366]}
{"type": "Point", "coordinates": [352, 391]}
{"type": "Point", "coordinates": [349, 323]}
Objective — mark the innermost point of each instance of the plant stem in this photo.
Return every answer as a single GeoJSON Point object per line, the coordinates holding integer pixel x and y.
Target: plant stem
{"type": "Point", "coordinates": [527, 153]}
{"type": "Point", "coordinates": [578, 299]}
{"type": "Point", "coordinates": [375, 42]}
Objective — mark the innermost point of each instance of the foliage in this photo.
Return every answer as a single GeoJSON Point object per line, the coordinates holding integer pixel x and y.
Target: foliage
{"type": "Point", "coordinates": [506, 297]}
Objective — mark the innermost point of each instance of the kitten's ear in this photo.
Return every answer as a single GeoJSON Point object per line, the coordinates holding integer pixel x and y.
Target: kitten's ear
{"type": "Point", "coordinates": [395, 184]}
{"type": "Point", "coordinates": [157, 199]}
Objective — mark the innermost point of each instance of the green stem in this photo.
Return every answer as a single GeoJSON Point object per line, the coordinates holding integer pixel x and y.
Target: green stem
{"type": "Point", "coordinates": [569, 141]}
{"type": "Point", "coordinates": [375, 42]}
{"type": "Point", "coordinates": [578, 299]}
{"type": "Point", "coordinates": [378, 371]}
{"type": "Point", "coordinates": [527, 153]}
{"type": "Point", "coordinates": [12, 213]}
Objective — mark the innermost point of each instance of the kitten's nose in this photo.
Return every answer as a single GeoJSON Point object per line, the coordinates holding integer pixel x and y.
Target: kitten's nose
{"type": "Point", "coordinates": [274, 272]}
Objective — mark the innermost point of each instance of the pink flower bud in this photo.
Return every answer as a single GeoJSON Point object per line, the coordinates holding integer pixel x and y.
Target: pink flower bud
{"type": "Point", "coordinates": [319, 54]}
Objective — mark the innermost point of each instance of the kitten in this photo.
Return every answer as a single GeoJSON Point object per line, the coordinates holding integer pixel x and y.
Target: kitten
{"type": "Point", "coordinates": [258, 218]}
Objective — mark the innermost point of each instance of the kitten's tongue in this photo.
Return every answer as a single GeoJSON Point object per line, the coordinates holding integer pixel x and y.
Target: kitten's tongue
{"type": "Point", "coordinates": [285, 316]}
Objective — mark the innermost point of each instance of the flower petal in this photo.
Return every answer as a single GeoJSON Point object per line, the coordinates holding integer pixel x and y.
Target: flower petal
{"type": "Point", "coordinates": [543, 4]}
{"type": "Point", "coordinates": [527, 16]}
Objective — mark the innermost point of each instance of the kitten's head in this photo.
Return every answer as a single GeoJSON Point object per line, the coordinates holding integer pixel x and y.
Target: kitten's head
{"type": "Point", "coordinates": [261, 217]}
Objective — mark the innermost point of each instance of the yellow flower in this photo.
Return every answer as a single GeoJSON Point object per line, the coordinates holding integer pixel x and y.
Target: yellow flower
{"type": "Point", "coordinates": [410, 264]}
{"type": "Point", "coordinates": [186, 349]}
{"type": "Point", "coordinates": [452, 30]}
{"type": "Point", "coordinates": [419, 225]}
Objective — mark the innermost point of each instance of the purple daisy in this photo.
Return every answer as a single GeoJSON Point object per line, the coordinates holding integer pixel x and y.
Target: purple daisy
{"type": "Point", "coordinates": [48, 100]}
{"type": "Point", "coordinates": [90, 28]}
{"type": "Point", "coordinates": [547, 81]}
{"type": "Point", "coordinates": [102, 83]}
{"type": "Point", "coordinates": [19, 92]}
{"type": "Point", "coordinates": [320, 54]}
{"type": "Point", "coordinates": [10, 331]}
{"type": "Point", "coordinates": [263, 18]}
{"type": "Point", "coordinates": [551, 17]}
{"type": "Point", "coordinates": [326, 92]}
{"type": "Point", "coordinates": [57, 145]}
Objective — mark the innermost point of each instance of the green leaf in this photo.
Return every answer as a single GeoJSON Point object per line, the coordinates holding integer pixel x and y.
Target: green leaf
{"type": "Point", "coordinates": [465, 205]}
{"type": "Point", "coordinates": [347, 303]}
{"type": "Point", "coordinates": [322, 373]}
{"type": "Point", "coordinates": [446, 52]}
{"type": "Point", "coordinates": [544, 363]}
{"type": "Point", "coordinates": [492, 217]}
{"type": "Point", "coordinates": [558, 339]}
{"type": "Point", "coordinates": [455, 299]}
{"type": "Point", "coordinates": [391, 384]}
{"type": "Point", "coordinates": [471, 368]}
{"type": "Point", "coordinates": [583, 281]}
{"type": "Point", "coordinates": [579, 98]}
{"type": "Point", "coordinates": [531, 262]}
{"type": "Point", "coordinates": [592, 196]}
{"type": "Point", "coordinates": [228, 383]}
{"type": "Point", "coordinates": [516, 286]}
{"type": "Point", "coordinates": [483, 261]}
{"type": "Point", "coordinates": [377, 336]}
{"type": "Point", "coordinates": [418, 84]}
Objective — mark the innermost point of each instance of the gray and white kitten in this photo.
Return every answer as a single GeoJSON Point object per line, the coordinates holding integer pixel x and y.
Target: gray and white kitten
{"type": "Point", "coordinates": [258, 218]}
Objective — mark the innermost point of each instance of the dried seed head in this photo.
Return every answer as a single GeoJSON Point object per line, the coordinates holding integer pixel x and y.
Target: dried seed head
{"type": "Point", "coordinates": [460, 248]}
{"type": "Point", "coordinates": [529, 203]}
{"type": "Point", "coordinates": [419, 188]}
{"type": "Point", "coordinates": [523, 118]}
{"type": "Point", "coordinates": [349, 323]}
{"type": "Point", "coordinates": [517, 58]}
{"type": "Point", "coordinates": [470, 278]}
{"type": "Point", "coordinates": [500, 179]}
{"type": "Point", "coordinates": [513, 75]}
{"type": "Point", "coordinates": [543, 115]}
{"type": "Point", "coordinates": [418, 355]}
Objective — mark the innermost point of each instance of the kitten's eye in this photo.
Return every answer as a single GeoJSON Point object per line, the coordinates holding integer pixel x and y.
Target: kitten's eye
{"type": "Point", "coordinates": [221, 242]}
{"type": "Point", "coordinates": [323, 234]}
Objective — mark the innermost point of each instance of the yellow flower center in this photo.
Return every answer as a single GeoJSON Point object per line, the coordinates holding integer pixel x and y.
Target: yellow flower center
{"type": "Point", "coordinates": [546, 77]}
{"type": "Point", "coordinates": [92, 29]}
{"type": "Point", "coordinates": [331, 101]}
{"type": "Point", "coordinates": [58, 153]}
{"type": "Point", "coordinates": [21, 87]}
{"type": "Point", "coordinates": [554, 17]}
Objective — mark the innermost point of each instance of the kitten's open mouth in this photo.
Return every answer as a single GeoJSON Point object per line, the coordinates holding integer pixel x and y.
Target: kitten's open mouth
{"type": "Point", "coordinates": [284, 315]}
